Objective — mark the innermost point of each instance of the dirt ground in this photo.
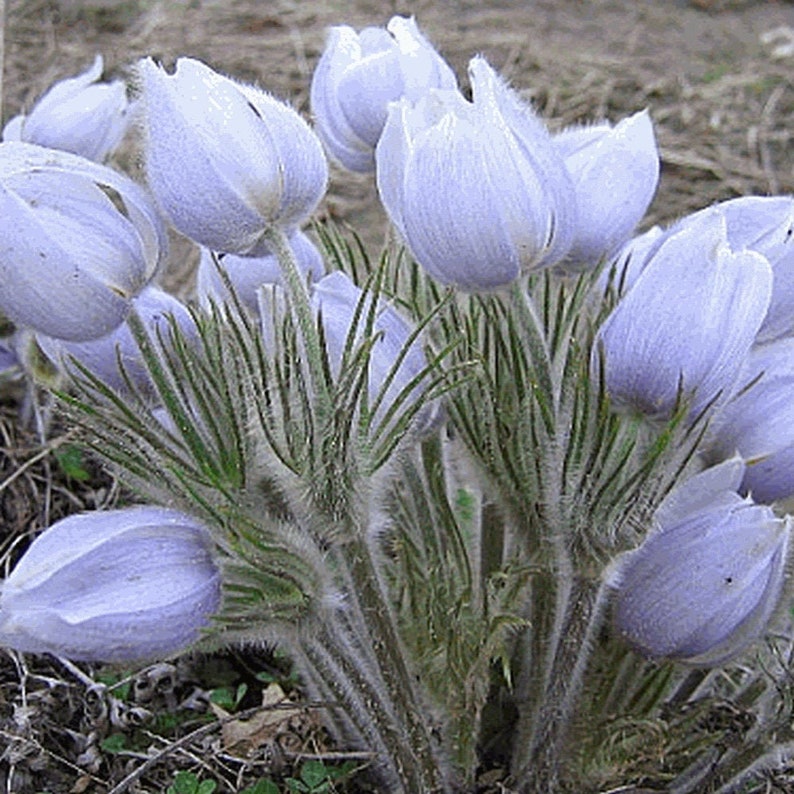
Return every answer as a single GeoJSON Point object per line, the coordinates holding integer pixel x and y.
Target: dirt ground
{"type": "Point", "coordinates": [718, 77]}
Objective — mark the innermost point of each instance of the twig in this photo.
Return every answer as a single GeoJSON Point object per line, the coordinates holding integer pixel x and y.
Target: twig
{"type": "Point", "coordinates": [137, 773]}
{"type": "Point", "coordinates": [53, 445]}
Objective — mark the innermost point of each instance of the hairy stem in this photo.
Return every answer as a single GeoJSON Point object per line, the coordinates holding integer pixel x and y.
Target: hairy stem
{"type": "Point", "coordinates": [389, 653]}
{"type": "Point", "coordinates": [539, 754]}
{"type": "Point", "coordinates": [299, 298]}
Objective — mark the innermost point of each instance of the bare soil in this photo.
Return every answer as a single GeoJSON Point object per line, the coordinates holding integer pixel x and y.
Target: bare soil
{"type": "Point", "coordinates": [718, 78]}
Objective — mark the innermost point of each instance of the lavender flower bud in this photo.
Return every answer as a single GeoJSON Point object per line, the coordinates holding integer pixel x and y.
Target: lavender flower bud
{"type": "Point", "coordinates": [335, 297]}
{"type": "Point", "coordinates": [706, 581]}
{"type": "Point", "coordinates": [78, 242]}
{"type": "Point", "coordinates": [477, 190]}
{"type": "Point", "coordinates": [758, 423]}
{"type": "Point", "coordinates": [765, 224]}
{"type": "Point", "coordinates": [359, 74]}
{"type": "Point", "coordinates": [102, 356]}
{"type": "Point", "coordinates": [615, 172]}
{"type": "Point", "coordinates": [687, 324]}
{"type": "Point", "coordinates": [78, 115]}
{"type": "Point", "coordinates": [248, 273]}
{"type": "Point", "coordinates": [226, 161]}
{"type": "Point", "coordinates": [116, 586]}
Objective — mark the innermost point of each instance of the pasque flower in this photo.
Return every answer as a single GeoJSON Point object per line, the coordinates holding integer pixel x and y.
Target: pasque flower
{"type": "Point", "coordinates": [77, 242]}
{"type": "Point", "coordinates": [79, 115]}
{"type": "Point", "coordinates": [477, 190]}
{"type": "Point", "coordinates": [248, 273]}
{"type": "Point", "coordinates": [758, 423]}
{"type": "Point", "coordinates": [156, 309]}
{"type": "Point", "coordinates": [765, 224]}
{"type": "Point", "coordinates": [685, 326]}
{"type": "Point", "coordinates": [615, 172]}
{"type": "Point", "coordinates": [117, 585]}
{"type": "Point", "coordinates": [335, 298]}
{"type": "Point", "coordinates": [359, 74]}
{"type": "Point", "coordinates": [224, 160]}
{"type": "Point", "coordinates": [707, 579]}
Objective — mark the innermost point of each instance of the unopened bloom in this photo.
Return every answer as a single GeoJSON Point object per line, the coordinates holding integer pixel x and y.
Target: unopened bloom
{"type": "Point", "coordinates": [687, 323]}
{"type": "Point", "coordinates": [359, 74]}
{"type": "Point", "coordinates": [117, 585]}
{"type": "Point", "coordinates": [248, 273]}
{"type": "Point", "coordinates": [477, 190]}
{"type": "Point", "coordinates": [758, 423]}
{"type": "Point", "coordinates": [615, 172]}
{"type": "Point", "coordinates": [79, 115]}
{"type": "Point", "coordinates": [335, 298]}
{"type": "Point", "coordinates": [225, 161]}
{"type": "Point", "coordinates": [706, 581]}
{"type": "Point", "coordinates": [765, 224]}
{"type": "Point", "coordinates": [101, 357]}
{"type": "Point", "coordinates": [77, 242]}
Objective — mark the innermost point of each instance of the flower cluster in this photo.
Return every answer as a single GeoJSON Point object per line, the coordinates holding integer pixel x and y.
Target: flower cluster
{"type": "Point", "coordinates": [529, 437]}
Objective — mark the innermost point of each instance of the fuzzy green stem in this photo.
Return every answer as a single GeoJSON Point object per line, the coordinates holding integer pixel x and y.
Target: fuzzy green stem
{"type": "Point", "coordinates": [301, 304]}
{"type": "Point", "coordinates": [538, 761]}
{"type": "Point", "coordinates": [389, 654]}
{"type": "Point", "coordinates": [338, 674]}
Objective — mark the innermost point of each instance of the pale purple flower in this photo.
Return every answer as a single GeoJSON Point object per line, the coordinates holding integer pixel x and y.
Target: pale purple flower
{"type": "Point", "coordinates": [477, 190]}
{"type": "Point", "coordinates": [78, 115]}
{"type": "Point", "coordinates": [138, 583]}
{"type": "Point", "coordinates": [765, 224]}
{"type": "Point", "coordinates": [687, 323]}
{"type": "Point", "coordinates": [226, 161]}
{"type": "Point", "coordinates": [359, 74]}
{"type": "Point", "coordinates": [248, 273]}
{"type": "Point", "coordinates": [758, 423]}
{"type": "Point", "coordinates": [707, 579]}
{"type": "Point", "coordinates": [77, 242]}
{"type": "Point", "coordinates": [615, 173]}
{"type": "Point", "coordinates": [157, 310]}
{"type": "Point", "coordinates": [335, 298]}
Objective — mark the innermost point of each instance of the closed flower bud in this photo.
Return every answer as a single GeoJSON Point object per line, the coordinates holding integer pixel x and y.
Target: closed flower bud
{"type": "Point", "coordinates": [477, 190]}
{"type": "Point", "coordinates": [765, 224]}
{"type": "Point", "coordinates": [78, 242]}
{"type": "Point", "coordinates": [335, 297]}
{"type": "Point", "coordinates": [359, 74]}
{"type": "Point", "coordinates": [706, 581]}
{"type": "Point", "coordinates": [758, 423]}
{"type": "Point", "coordinates": [248, 273]}
{"type": "Point", "coordinates": [224, 160]}
{"type": "Point", "coordinates": [615, 172]}
{"type": "Point", "coordinates": [687, 323]}
{"type": "Point", "coordinates": [101, 356]}
{"type": "Point", "coordinates": [78, 115]}
{"type": "Point", "coordinates": [113, 586]}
